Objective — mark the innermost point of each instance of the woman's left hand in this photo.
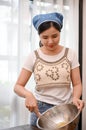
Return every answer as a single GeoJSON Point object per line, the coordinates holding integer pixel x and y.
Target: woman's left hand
{"type": "Point", "coordinates": [79, 103]}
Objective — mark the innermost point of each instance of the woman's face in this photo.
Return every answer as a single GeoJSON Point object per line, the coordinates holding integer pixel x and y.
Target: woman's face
{"type": "Point", "coordinates": [50, 38]}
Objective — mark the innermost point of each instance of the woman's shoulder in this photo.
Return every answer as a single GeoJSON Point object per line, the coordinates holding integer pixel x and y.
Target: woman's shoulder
{"type": "Point", "coordinates": [29, 61]}
{"type": "Point", "coordinates": [30, 58]}
{"type": "Point", "coordinates": [73, 58]}
{"type": "Point", "coordinates": [32, 53]}
{"type": "Point", "coordinates": [72, 52]}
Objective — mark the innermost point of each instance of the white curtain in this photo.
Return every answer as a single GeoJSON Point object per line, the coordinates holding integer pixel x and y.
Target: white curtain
{"type": "Point", "coordinates": [17, 39]}
{"type": "Point", "coordinates": [14, 46]}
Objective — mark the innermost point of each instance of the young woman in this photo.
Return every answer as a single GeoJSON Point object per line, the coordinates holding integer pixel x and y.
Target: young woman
{"type": "Point", "coordinates": [54, 66]}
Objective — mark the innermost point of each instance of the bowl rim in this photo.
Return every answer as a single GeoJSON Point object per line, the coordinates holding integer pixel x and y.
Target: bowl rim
{"type": "Point", "coordinates": [55, 107]}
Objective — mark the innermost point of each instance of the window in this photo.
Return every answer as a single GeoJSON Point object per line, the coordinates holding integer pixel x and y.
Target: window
{"type": "Point", "coordinates": [8, 56]}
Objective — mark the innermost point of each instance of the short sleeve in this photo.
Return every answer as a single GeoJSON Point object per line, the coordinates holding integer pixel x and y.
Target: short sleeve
{"type": "Point", "coordinates": [29, 62]}
{"type": "Point", "coordinates": [73, 58]}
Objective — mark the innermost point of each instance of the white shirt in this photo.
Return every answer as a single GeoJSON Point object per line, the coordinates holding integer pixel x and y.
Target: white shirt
{"type": "Point", "coordinates": [53, 95]}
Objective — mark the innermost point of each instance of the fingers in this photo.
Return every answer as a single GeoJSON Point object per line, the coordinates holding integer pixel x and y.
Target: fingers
{"type": "Point", "coordinates": [31, 104]}
{"type": "Point", "coordinates": [36, 110]}
{"type": "Point", "coordinates": [33, 108]}
{"type": "Point", "coordinates": [82, 104]}
{"type": "Point", "coordinates": [30, 107]}
{"type": "Point", "coordinates": [79, 103]}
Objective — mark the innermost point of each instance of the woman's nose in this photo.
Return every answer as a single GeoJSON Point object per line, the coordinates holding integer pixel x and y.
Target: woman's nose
{"type": "Point", "coordinates": [50, 40]}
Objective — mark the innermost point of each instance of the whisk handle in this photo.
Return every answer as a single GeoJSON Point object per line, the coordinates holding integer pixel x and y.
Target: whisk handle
{"type": "Point", "coordinates": [37, 113]}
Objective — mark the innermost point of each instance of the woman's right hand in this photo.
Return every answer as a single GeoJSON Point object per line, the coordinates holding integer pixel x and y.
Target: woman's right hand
{"type": "Point", "coordinates": [31, 103]}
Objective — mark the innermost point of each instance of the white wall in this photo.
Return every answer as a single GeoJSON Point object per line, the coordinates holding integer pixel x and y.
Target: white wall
{"type": "Point", "coordinates": [84, 66]}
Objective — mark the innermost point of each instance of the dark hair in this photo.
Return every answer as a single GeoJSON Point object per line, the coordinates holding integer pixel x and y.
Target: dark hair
{"type": "Point", "coordinates": [46, 25]}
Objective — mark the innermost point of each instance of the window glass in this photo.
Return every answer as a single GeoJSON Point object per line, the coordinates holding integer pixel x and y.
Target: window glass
{"type": "Point", "coordinates": [8, 57]}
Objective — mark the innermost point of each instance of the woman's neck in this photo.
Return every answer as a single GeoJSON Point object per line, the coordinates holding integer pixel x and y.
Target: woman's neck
{"type": "Point", "coordinates": [52, 52]}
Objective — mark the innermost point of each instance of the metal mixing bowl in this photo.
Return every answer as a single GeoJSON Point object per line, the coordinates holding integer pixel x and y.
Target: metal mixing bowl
{"type": "Point", "coordinates": [62, 117]}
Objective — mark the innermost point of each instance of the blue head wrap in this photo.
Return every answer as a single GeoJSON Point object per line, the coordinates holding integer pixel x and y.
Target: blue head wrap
{"type": "Point", "coordinates": [54, 17]}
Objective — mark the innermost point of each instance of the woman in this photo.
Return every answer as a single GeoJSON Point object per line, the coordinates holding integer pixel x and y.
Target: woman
{"type": "Point", "coordinates": [54, 66]}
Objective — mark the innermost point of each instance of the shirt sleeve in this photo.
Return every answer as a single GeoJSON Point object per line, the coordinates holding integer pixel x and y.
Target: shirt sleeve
{"type": "Point", "coordinates": [29, 62]}
{"type": "Point", "coordinates": [72, 56]}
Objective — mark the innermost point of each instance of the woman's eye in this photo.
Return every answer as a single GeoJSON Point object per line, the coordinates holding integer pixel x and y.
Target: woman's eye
{"type": "Point", "coordinates": [45, 37]}
{"type": "Point", "coordinates": [54, 36]}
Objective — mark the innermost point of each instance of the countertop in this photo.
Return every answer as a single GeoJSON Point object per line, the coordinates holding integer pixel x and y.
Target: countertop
{"type": "Point", "coordinates": [22, 127]}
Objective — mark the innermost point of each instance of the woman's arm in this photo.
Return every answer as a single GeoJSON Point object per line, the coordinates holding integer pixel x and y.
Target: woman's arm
{"type": "Point", "coordinates": [19, 88]}
{"type": "Point", "coordinates": [77, 88]}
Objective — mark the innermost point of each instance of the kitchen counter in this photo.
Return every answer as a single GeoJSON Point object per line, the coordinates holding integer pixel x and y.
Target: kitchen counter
{"type": "Point", "coordinates": [23, 127]}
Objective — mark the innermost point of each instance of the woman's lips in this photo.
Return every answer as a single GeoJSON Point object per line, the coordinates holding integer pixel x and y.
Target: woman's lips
{"type": "Point", "coordinates": [50, 46]}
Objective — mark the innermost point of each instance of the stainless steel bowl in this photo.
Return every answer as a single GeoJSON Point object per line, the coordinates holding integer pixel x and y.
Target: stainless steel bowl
{"type": "Point", "coordinates": [62, 117]}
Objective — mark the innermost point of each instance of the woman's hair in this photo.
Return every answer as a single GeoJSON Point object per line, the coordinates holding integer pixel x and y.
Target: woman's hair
{"type": "Point", "coordinates": [46, 25]}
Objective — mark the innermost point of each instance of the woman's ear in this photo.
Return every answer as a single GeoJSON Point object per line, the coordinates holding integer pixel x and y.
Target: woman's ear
{"type": "Point", "coordinates": [40, 44]}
